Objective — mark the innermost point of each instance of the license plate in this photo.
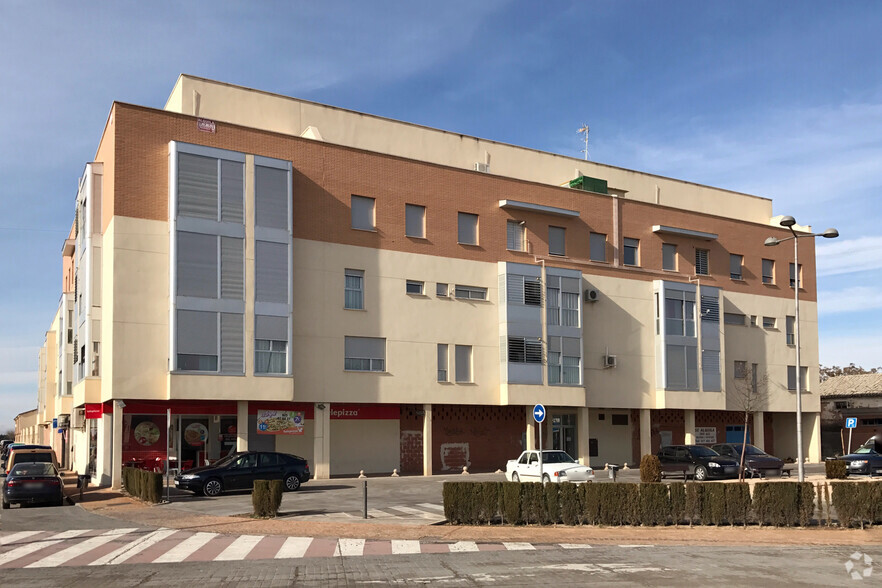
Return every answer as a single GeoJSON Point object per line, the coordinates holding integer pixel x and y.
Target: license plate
{"type": "Point", "coordinates": [730, 470]}
{"type": "Point", "coordinates": [177, 483]}
{"type": "Point", "coordinates": [32, 485]}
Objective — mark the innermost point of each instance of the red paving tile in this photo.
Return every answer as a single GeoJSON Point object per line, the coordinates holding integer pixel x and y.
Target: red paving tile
{"type": "Point", "coordinates": [212, 549]}
{"type": "Point", "coordinates": [267, 548]}
{"type": "Point", "coordinates": [378, 548]}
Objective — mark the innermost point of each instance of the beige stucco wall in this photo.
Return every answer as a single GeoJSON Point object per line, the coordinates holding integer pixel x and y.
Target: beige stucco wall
{"type": "Point", "coordinates": [253, 108]}
{"type": "Point", "coordinates": [613, 441]}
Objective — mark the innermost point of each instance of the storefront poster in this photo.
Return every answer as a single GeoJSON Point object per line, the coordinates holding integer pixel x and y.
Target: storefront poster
{"type": "Point", "coordinates": [94, 411]}
{"type": "Point", "coordinates": [195, 435]}
{"type": "Point", "coordinates": [705, 435]}
{"type": "Point", "coordinates": [279, 422]}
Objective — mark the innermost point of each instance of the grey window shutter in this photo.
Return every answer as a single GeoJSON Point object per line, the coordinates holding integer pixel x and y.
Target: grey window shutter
{"type": "Point", "coordinates": [196, 265]}
{"type": "Point", "coordinates": [196, 332]}
{"type": "Point", "coordinates": [273, 328]}
{"type": "Point", "coordinates": [232, 192]}
{"type": "Point", "coordinates": [363, 213]}
{"type": "Point", "coordinates": [232, 268]}
{"type": "Point", "coordinates": [365, 347]}
{"type": "Point", "coordinates": [271, 197]}
{"type": "Point", "coordinates": [463, 363]}
{"type": "Point", "coordinates": [570, 346]}
{"type": "Point", "coordinates": [197, 186]}
{"type": "Point", "coordinates": [515, 288]}
{"type": "Point", "coordinates": [557, 240]}
{"type": "Point", "coordinates": [572, 285]}
{"type": "Point", "coordinates": [414, 219]}
{"type": "Point", "coordinates": [270, 272]}
{"type": "Point", "coordinates": [232, 343]}
{"type": "Point", "coordinates": [467, 228]}
{"type": "Point", "coordinates": [597, 247]}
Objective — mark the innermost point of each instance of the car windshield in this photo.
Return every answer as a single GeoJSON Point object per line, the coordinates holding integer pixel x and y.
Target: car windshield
{"type": "Point", "coordinates": [557, 457]}
{"type": "Point", "coordinates": [33, 469]}
{"type": "Point", "coordinates": [699, 451]}
{"type": "Point", "coordinates": [751, 450]}
{"type": "Point", "coordinates": [224, 461]}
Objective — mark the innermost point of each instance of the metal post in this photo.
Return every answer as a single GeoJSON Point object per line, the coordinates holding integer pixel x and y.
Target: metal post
{"type": "Point", "coordinates": [800, 468]}
{"type": "Point", "coordinates": [849, 442]}
{"type": "Point", "coordinates": [540, 450]}
{"type": "Point", "coordinates": [167, 441]}
{"type": "Point", "coordinates": [364, 512]}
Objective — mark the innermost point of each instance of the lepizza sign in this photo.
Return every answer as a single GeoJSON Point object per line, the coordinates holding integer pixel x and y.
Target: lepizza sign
{"type": "Point", "coordinates": [364, 411]}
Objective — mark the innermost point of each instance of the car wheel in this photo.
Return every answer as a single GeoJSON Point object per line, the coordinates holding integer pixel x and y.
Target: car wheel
{"type": "Point", "coordinates": [212, 487]}
{"type": "Point", "coordinates": [514, 478]}
{"type": "Point", "coordinates": [700, 474]}
{"type": "Point", "coordinates": [292, 483]}
{"type": "Point", "coordinates": [5, 505]}
{"type": "Point", "coordinates": [546, 479]}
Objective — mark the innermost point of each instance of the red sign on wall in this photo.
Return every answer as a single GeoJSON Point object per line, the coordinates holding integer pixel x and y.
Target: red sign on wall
{"type": "Point", "coordinates": [364, 411]}
{"type": "Point", "coordinates": [94, 411]}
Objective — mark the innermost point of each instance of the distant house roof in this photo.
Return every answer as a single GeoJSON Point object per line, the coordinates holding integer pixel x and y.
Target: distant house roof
{"type": "Point", "coordinates": [858, 385]}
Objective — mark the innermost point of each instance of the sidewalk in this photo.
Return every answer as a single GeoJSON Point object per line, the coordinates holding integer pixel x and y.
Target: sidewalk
{"type": "Point", "coordinates": [115, 504]}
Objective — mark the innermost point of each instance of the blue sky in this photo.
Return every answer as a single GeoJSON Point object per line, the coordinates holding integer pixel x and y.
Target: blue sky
{"type": "Point", "coordinates": [778, 99]}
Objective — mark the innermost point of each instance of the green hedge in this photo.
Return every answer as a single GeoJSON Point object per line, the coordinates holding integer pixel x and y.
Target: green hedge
{"type": "Point", "coordinates": [142, 484]}
{"type": "Point", "coordinates": [836, 469]}
{"type": "Point", "coordinates": [267, 497]}
{"type": "Point", "coordinates": [857, 503]}
{"type": "Point", "coordinates": [784, 504]}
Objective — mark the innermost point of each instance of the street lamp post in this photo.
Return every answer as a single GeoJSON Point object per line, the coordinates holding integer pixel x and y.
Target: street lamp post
{"type": "Point", "coordinates": [789, 222]}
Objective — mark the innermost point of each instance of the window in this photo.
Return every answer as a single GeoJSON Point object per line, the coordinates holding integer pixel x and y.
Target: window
{"type": "Point", "coordinates": [353, 288]}
{"type": "Point", "coordinates": [733, 318]}
{"type": "Point", "coordinates": [791, 378]}
{"type": "Point", "coordinates": [620, 419]}
{"type": "Point", "coordinates": [197, 341]}
{"type": "Point", "coordinates": [270, 197]}
{"type": "Point", "coordinates": [470, 292]}
{"type": "Point", "coordinates": [710, 370]}
{"type": "Point", "coordinates": [197, 189]}
{"type": "Point", "coordinates": [415, 221]}
{"type": "Point", "coordinates": [681, 363]}
{"type": "Point", "coordinates": [463, 363]}
{"type": "Point", "coordinates": [569, 310]}
{"type": "Point", "coordinates": [769, 322]}
{"type": "Point", "coordinates": [597, 245]}
{"type": "Point", "coordinates": [365, 354]}
{"type": "Point", "coordinates": [515, 232]}
{"type": "Point", "coordinates": [441, 289]}
{"type": "Point", "coordinates": [840, 404]}
{"type": "Point", "coordinates": [768, 271]}
{"type": "Point", "coordinates": [669, 257]}
{"type": "Point", "coordinates": [793, 276]}
{"type": "Point", "coordinates": [790, 325]}
{"type": "Point", "coordinates": [552, 306]}
{"type": "Point", "coordinates": [564, 361]}
{"type": "Point", "coordinates": [442, 362]}
{"type": "Point", "coordinates": [735, 263]}
{"type": "Point", "coordinates": [525, 290]}
{"type": "Point", "coordinates": [270, 344]}
{"type": "Point", "coordinates": [679, 316]}
{"type": "Point", "coordinates": [753, 320]}
{"type": "Point", "coordinates": [467, 229]}
{"type": "Point", "coordinates": [363, 213]}
{"type": "Point", "coordinates": [740, 369]}
{"type": "Point", "coordinates": [631, 251]}
{"type": "Point", "coordinates": [197, 265]}
{"type": "Point", "coordinates": [557, 241]}
{"type": "Point", "coordinates": [414, 287]}
{"type": "Point", "coordinates": [523, 350]}
{"type": "Point", "coordinates": [270, 272]}
{"type": "Point", "coordinates": [701, 265]}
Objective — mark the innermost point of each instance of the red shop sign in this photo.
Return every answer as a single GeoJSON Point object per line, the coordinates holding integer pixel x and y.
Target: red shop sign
{"type": "Point", "coordinates": [364, 411]}
{"type": "Point", "coordinates": [94, 411]}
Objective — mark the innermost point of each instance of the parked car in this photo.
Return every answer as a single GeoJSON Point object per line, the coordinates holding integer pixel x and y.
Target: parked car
{"type": "Point", "coordinates": [757, 463]}
{"type": "Point", "coordinates": [867, 459]}
{"type": "Point", "coordinates": [698, 461]}
{"type": "Point", "coordinates": [557, 466]}
{"type": "Point", "coordinates": [238, 471]}
{"type": "Point", "coordinates": [33, 483]}
{"type": "Point", "coordinates": [30, 453]}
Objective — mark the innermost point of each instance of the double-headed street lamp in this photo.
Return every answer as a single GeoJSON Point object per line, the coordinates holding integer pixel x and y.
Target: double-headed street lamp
{"type": "Point", "coordinates": [789, 222]}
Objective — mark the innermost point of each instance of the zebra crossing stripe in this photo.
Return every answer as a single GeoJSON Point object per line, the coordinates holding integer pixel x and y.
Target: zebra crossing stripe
{"type": "Point", "coordinates": [437, 507]}
{"type": "Point", "coordinates": [239, 548]}
{"type": "Point", "coordinates": [515, 546]}
{"type": "Point", "coordinates": [574, 546]}
{"type": "Point", "coordinates": [416, 511]}
{"type": "Point", "coordinates": [132, 549]}
{"type": "Point", "coordinates": [25, 550]}
{"type": "Point", "coordinates": [349, 548]}
{"type": "Point", "coordinates": [185, 548]}
{"type": "Point", "coordinates": [294, 548]}
{"type": "Point", "coordinates": [67, 554]}
{"type": "Point", "coordinates": [463, 547]}
{"type": "Point", "coordinates": [400, 546]}
{"type": "Point", "coordinates": [10, 539]}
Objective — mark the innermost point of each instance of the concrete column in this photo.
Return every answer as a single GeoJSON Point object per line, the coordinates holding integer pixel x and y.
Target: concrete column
{"type": "Point", "coordinates": [811, 434]}
{"type": "Point", "coordinates": [427, 440]}
{"type": "Point", "coordinates": [241, 426]}
{"type": "Point", "coordinates": [322, 441]}
{"type": "Point", "coordinates": [689, 419]}
{"type": "Point", "coordinates": [645, 433]}
{"type": "Point", "coordinates": [583, 435]}
{"type": "Point", "coordinates": [116, 445]}
{"type": "Point", "coordinates": [531, 430]}
{"type": "Point", "coordinates": [758, 435]}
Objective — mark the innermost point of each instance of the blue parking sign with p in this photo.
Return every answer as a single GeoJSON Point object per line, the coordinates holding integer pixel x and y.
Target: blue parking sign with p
{"type": "Point", "coordinates": [851, 422]}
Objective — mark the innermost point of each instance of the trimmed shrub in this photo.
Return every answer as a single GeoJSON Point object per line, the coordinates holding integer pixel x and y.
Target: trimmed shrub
{"type": "Point", "coordinates": [847, 500]}
{"type": "Point", "coordinates": [266, 497]}
{"type": "Point", "coordinates": [552, 503]}
{"type": "Point", "coordinates": [655, 504]}
{"type": "Point", "coordinates": [570, 506]}
{"type": "Point", "coordinates": [619, 503]}
{"type": "Point", "coordinates": [713, 503]}
{"type": "Point", "coordinates": [491, 499]}
{"type": "Point", "coordinates": [473, 502]}
{"type": "Point", "coordinates": [678, 502]}
{"type": "Point", "coordinates": [650, 469]}
{"type": "Point", "coordinates": [836, 469]}
{"type": "Point", "coordinates": [152, 490]}
{"type": "Point", "coordinates": [511, 503]}
{"type": "Point", "coordinates": [737, 503]}
{"type": "Point", "coordinates": [533, 503]}
{"type": "Point", "coordinates": [590, 499]}
{"type": "Point", "coordinates": [693, 502]}
{"type": "Point", "coordinates": [784, 504]}
{"type": "Point", "coordinates": [448, 496]}
{"type": "Point", "coordinates": [805, 503]}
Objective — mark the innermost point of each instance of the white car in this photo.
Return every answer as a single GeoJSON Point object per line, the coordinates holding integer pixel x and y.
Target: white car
{"type": "Point", "coordinates": [557, 466]}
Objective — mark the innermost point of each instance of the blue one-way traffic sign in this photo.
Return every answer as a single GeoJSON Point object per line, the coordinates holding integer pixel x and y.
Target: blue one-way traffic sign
{"type": "Point", "coordinates": [851, 423]}
{"type": "Point", "coordinates": [539, 413]}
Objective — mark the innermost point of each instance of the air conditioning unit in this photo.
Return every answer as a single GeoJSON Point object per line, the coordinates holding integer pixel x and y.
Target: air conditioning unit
{"type": "Point", "coordinates": [609, 361]}
{"type": "Point", "coordinates": [484, 168]}
{"type": "Point", "coordinates": [591, 295]}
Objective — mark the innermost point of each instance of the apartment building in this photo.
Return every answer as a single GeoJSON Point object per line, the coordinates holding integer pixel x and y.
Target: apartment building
{"type": "Point", "coordinates": [253, 271]}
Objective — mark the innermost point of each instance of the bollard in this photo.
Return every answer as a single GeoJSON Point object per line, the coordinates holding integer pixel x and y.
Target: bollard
{"type": "Point", "coordinates": [395, 473]}
{"type": "Point", "coordinates": [365, 499]}
{"type": "Point", "coordinates": [613, 468]}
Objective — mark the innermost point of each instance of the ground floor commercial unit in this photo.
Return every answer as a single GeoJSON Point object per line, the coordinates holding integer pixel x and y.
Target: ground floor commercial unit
{"type": "Point", "coordinates": [345, 439]}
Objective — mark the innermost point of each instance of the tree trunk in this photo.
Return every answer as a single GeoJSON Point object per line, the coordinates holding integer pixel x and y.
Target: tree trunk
{"type": "Point", "coordinates": [743, 449]}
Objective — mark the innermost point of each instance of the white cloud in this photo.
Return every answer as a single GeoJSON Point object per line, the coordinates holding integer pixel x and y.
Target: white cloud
{"type": "Point", "coordinates": [847, 256]}
{"type": "Point", "coordinates": [854, 299]}
{"type": "Point", "coordinates": [842, 350]}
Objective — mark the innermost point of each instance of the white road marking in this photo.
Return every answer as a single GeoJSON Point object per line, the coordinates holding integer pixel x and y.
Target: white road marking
{"type": "Point", "coordinates": [400, 546]}
{"type": "Point", "coordinates": [379, 514]}
{"type": "Point", "coordinates": [432, 506]}
{"type": "Point", "coordinates": [185, 548]}
{"type": "Point", "coordinates": [294, 547]}
{"type": "Point", "coordinates": [514, 546]}
{"type": "Point", "coordinates": [463, 546]}
{"type": "Point", "coordinates": [126, 552]}
{"type": "Point", "coordinates": [23, 550]}
{"type": "Point", "coordinates": [416, 511]}
{"type": "Point", "coordinates": [9, 539]}
{"type": "Point", "coordinates": [239, 548]}
{"type": "Point", "coordinates": [349, 548]}
{"type": "Point", "coordinates": [574, 546]}
{"type": "Point", "coordinates": [637, 545]}
{"type": "Point", "coordinates": [67, 554]}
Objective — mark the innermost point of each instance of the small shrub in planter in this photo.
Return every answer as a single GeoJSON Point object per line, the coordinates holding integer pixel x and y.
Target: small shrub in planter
{"type": "Point", "coordinates": [511, 503]}
{"type": "Point", "coordinates": [491, 499]}
{"type": "Point", "coordinates": [784, 504]}
{"type": "Point", "coordinates": [847, 500]}
{"type": "Point", "coordinates": [619, 503]}
{"type": "Point", "coordinates": [552, 503]}
{"type": "Point", "coordinates": [266, 497]}
{"type": "Point", "coordinates": [836, 469]}
{"type": "Point", "coordinates": [713, 503]}
{"type": "Point", "coordinates": [650, 469]}
{"type": "Point", "coordinates": [655, 504]}
{"type": "Point", "coordinates": [737, 503]}
{"type": "Point", "coordinates": [451, 504]}
{"type": "Point", "coordinates": [693, 501]}
{"type": "Point", "coordinates": [152, 491]}
{"type": "Point", "coordinates": [590, 500]}
{"type": "Point", "coordinates": [570, 506]}
{"type": "Point", "coordinates": [678, 502]}
{"type": "Point", "coordinates": [473, 494]}
{"type": "Point", "coordinates": [533, 503]}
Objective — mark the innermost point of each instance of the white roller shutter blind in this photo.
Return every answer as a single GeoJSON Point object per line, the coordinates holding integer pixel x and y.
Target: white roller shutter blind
{"type": "Point", "coordinates": [197, 186]}
{"type": "Point", "coordinates": [270, 272]}
{"type": "Point", "coordinates": [232, 192]}
{"type": "Point", "coordinates": [232, 343]}
{"type": "Point", "coordinates": [274, 328]}
{"type": "Point", "coordinates": [271, 197]}
{"type": "Point", "coordinates": [463, 363]}
{"type": "Point", "coordinates": [365, 347]}
{"type": "Point", "coordinates": [196, 265]}
{"type": "Point", "coordinates": [232, 268]}
{"type": "Point", "coordinates": [196, 332]}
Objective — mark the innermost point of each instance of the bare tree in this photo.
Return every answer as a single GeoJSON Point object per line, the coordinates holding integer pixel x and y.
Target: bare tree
{"type": "Point", "coordinates": [849, 370]}
{"type": "Point", "coordinates": [749, 393]}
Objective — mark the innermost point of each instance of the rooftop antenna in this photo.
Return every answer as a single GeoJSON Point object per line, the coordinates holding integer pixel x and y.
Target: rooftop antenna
{"type": "Point", "coordinates": [585, 130]}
